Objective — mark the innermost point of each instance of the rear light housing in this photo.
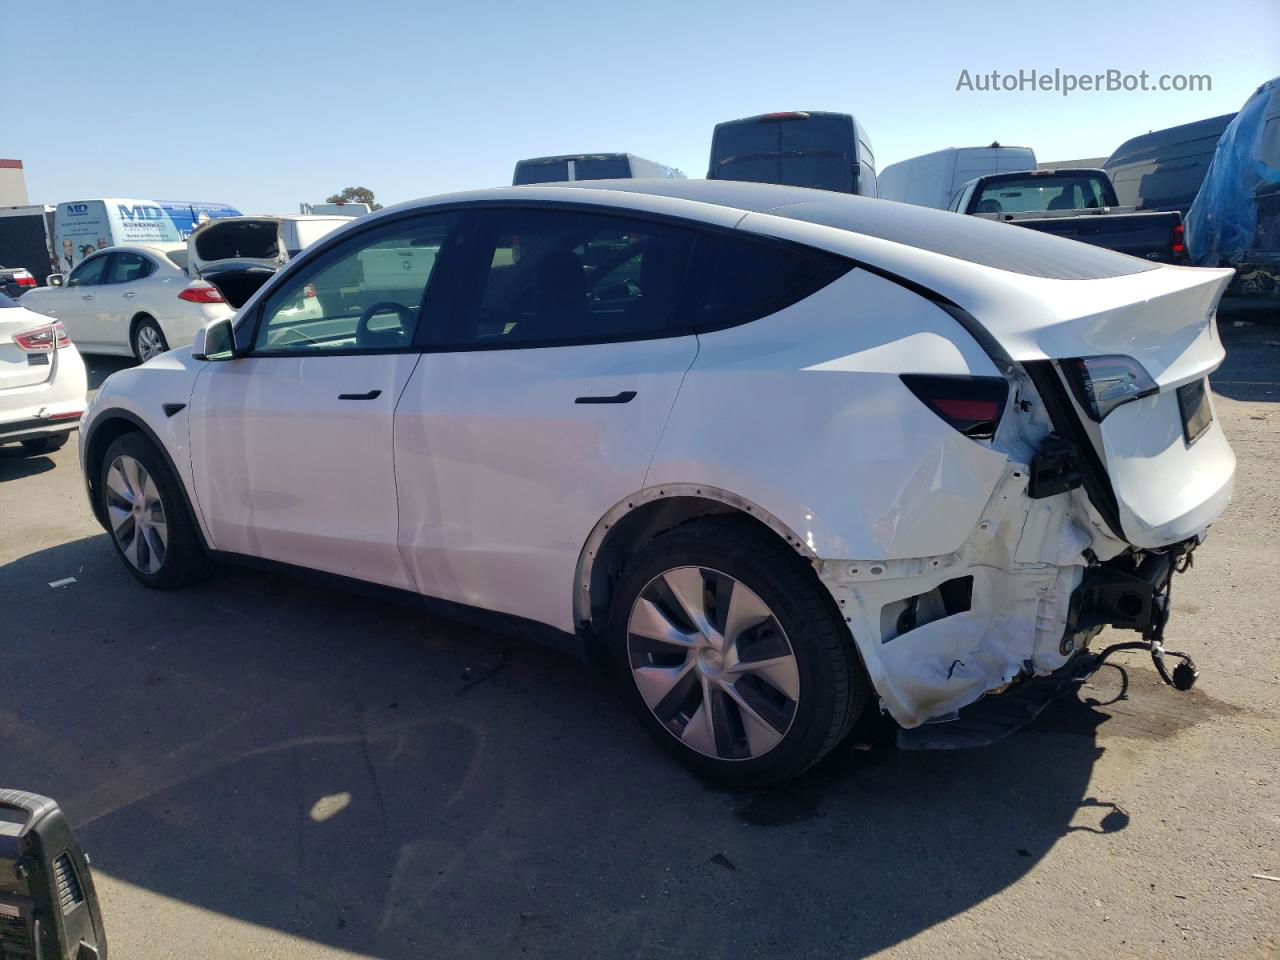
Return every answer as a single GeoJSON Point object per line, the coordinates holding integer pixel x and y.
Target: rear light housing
{"type": "Point", "coordinates": [1179, 246]}
{"type": "Point", "coordinates": [23, 278]}
{"type": "Point", "coordinates": [201, 291]}
{"type": "Point", "coordinates": [971, 405]}
{"type": "Point", "coordinates": [785, 115]}
{"type": "Point", "coordinates": [1101, 384]}
{"type": "Point", "coordinates": [52, 336]}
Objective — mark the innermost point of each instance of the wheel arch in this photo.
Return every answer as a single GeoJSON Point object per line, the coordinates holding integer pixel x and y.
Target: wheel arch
{"type": "Point", "coordinates": [633, 522]}
{"type": "Point", "coordinates": [107, 427]}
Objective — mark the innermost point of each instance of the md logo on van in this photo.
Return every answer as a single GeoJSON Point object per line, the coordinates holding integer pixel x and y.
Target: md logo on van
{"type": "Point", "coordinates": [77, 209]}
{"type": "Point", "coordinates": [140, 212]}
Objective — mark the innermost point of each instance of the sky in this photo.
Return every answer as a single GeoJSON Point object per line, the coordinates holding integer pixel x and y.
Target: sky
{"type": "Point", "coordinates": [265, 104]}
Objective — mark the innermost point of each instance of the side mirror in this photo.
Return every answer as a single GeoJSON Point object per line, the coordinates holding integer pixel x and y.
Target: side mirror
{"type": "Point", "coordinates": [216, 340]}
{"type": "Point", "coordinates": [56, 279]}
{"type": "Point", "coordinates": [48, 906]}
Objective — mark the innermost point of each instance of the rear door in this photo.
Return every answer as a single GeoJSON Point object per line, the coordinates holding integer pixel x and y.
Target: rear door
{"type": "Point", "coordinates": [540, 406]}
{"type": "Point", "coordinates": [121, 298]}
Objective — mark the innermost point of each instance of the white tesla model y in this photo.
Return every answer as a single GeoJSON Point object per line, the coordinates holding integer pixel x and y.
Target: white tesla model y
{"type": "Point", "coordinates": [770, 453]}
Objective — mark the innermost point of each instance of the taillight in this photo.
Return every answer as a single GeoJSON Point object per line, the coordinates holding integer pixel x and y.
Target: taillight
{"type": "Point", "coordinates": [23, 278]}
{"type": "Point", "coordinates": [1103, 383]}
{"type": "Point", "coordinates": [786, 115]}
{"type": "Point", "coordinates": [1179, 247]}
{"type": "Point", "coordinates": [972, 405]}
{"type": "Point", "coordinates": [201, 292]}
{"type": "Point", "coordinates": [52, 336]}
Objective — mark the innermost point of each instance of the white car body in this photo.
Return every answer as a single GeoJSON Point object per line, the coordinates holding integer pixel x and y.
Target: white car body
{"type": "Point", "coordinates": [104, 316]}
{"type": "Point", "coordinates": [474, 477]}
{"type": "Point", "coordinates": [42, 385]}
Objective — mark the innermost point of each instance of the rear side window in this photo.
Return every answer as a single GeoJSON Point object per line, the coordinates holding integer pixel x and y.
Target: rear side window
{"type": "Point", "coordinates": [560, 277]}
{"type": "Point", "coordinates": [734, 279]}
{"type": "Point", "coordinates": [128, 267]}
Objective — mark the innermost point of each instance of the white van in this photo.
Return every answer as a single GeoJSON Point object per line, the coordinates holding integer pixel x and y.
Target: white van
{"type": "Point", "coordinates": [932, 180]}
{"type": "Point", "coordinates": [82, 227]}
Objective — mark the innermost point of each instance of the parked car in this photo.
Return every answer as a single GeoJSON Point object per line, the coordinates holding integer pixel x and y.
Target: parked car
{"type": "Point", "coordinates": [15, 281]}
{"type": "Point", "coordinates": [1235, 219]}
{"type": "Point", "coordinates": [772, 453]}
{"type": "Point", "coordinates": [1163, 170]}
{"type": "Point", "coordinates": [134, 300]}
{"type": "Point", "coordinates": [238, 254]}
{"type": "Point", "coordinates": [42, 380]}
{"type": "Point", "coordinates": [590, 166]}
{"type": "Point", "coordinates": [800, 148]}
{"type": "Point", "coordinates": [933, 179]}
{"type": "Point", "coordinates": [1079, 204]}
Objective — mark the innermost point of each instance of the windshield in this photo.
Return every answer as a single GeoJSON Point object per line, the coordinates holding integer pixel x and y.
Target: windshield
{"type": "Point", "coordinates": [1040, 194]}
{"type": "Point", "coordinates": [812, 152]}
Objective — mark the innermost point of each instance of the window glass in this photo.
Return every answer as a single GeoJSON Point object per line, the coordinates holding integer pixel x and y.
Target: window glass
{"type": "Point", "coordinates": [89, 273]}
{"type": "Point", "coordinates": [601, 168]}
{"type": "Point", "coordinates": [1039, 194]}
{"type": "Point", "coordinates": [365, 295]}
{"type": "Point", "coordinates": [553, 172]}
{"type": "Point", "coordinates": [734, 279]}
{"type": "Point", "coordinates": [557, 277]}
{"type": "Point", "coordinates": [746, 151]}
{"type": "Point", "coordinates": [6, 302]}
{"type": "Point", "coordinates": [128, 267]}
{"type": "Point", "coordinates": [178, 258]}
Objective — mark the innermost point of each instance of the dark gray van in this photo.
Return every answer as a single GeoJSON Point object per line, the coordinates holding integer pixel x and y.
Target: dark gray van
{"type": "Point", "coordinates": [805, 148]}
{"type": "Point", "coordinates": [1163, 170]}
{"type": "Point", "coordinates": [590, 166]}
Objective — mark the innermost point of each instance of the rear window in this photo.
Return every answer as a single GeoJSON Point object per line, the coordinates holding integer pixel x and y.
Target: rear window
{"type": "Point", "coordinates": [601, 168]}
{"type": "Point", "coordinates": [816, 152]}
{"type": "Point", "coordinates": [556, 171]}
{"type": "Point", "coordinates": [1003, 246]}
{"type": "Point", "coordinates": [1041, 194]}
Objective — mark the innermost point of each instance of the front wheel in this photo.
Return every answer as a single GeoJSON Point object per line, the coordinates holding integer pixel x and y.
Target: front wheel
{"type": "Point", "coordinates": [733, 653]}
{"type": "Point", "coordinates": [150, 526]}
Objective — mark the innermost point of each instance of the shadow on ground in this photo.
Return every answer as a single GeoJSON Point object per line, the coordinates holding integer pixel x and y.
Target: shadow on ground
{"type": "Point", "coordinates": [1252, 341]}
{"type": "Point", "coordinates": [324, 765]}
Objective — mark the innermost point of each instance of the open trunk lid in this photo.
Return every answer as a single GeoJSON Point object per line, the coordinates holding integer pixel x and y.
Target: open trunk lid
{"type": "Point", "coordinates": [236, 243]}
{"type": "Point", "coordinates": [1126, 378]}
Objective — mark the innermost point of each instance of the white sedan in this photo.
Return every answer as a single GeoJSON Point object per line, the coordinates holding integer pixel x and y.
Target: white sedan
{"type": "Point", "coordinates": [42, 380]}
{"type": "Point", "coordinates": [771, 453]}
{"type": "Point", "coordinates": [135, 300]}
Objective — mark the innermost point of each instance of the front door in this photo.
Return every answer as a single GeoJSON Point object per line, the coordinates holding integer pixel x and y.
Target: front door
{"type": "Point", "coordinates": [291, 445]}
{"type": "Point", "coordinates": [542, 407]}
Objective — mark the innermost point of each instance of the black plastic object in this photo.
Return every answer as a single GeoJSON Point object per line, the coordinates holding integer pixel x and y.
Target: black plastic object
{"type": "Point", "coordinates": [1054, 468]}
{"type": "Point", "coordinates": [48, 906]}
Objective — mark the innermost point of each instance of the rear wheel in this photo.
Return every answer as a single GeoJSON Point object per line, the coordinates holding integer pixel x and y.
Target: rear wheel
{"type": "Point", "coordinates": [150, 526]}
{"type": "Point", "coordinates": [148, 340]}
{"type": "Point", "coordinates": [44, 444]}
{"type": "Point", "coordinates": [733, 653]}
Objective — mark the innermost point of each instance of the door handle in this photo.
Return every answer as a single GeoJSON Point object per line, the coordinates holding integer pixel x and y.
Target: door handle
{"type": "Point", "coordinates": [129, 294]}
{"type": "Point", "coordinates": [87, 296]}
{"type": "Point", "coordinates": [371, 395]}
{"type": "Point", "coordinates": [625, 396]}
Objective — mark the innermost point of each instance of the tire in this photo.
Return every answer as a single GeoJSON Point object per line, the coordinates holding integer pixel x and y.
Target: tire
{"type": "Point", "coordinates": [148, 340]}
{"type": "Point", "coordinates": [158, 540]}
{"type": "Point", "coordinates": [758, 734]}
{"type": "Point", "coordinates": [38, 445]}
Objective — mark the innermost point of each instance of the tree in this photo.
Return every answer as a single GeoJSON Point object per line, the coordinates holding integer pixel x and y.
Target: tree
{"type": "Point", "coordinates": [355, 195]}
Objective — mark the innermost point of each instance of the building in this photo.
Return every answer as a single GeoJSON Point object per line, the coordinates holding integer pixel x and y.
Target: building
{"type": "Point", "coordinates": [13, 184]}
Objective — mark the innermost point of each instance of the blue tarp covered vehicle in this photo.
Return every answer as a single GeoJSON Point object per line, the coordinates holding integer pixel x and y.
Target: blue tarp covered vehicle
{"type": "Point", "coordinates": [1235, 219]}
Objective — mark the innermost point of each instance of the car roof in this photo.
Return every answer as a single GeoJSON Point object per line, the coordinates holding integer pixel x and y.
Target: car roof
{"type": "Point", "coordinates": [166, 248]}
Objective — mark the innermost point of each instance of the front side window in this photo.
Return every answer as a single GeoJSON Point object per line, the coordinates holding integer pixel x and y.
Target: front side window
{"type": "Point", "coordinates": [90, 273]}
{"type": "Point", "coordinates": [365, 295]}
{"type": "Point", "coordinates": [555, 277]}
{"type": "Point", "coordinates": [128, 267]}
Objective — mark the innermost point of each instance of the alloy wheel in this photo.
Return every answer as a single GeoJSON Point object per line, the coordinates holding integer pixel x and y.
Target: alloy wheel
{"type": "Point", "coordinates": [136, 514]}
{"type": "Point", "coordinates": [713, 664]}
{"type": "Point", "coordinates": [150, 343]}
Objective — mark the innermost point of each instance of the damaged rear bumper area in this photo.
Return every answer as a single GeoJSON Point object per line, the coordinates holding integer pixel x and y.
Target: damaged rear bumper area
{"type": "Point", "coordinates": [1002, 626]}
